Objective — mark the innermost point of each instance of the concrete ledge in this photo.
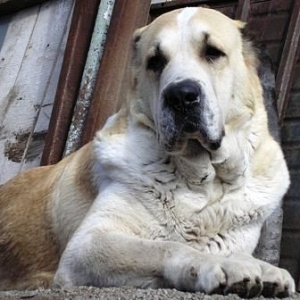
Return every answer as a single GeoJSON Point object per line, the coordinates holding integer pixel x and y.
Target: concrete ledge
{"type": "Point", "coordinates": [125, 293]}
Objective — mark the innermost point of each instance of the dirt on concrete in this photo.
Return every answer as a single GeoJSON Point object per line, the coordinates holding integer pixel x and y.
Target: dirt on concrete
{"type": "Point", "coordinates": [124, 293]}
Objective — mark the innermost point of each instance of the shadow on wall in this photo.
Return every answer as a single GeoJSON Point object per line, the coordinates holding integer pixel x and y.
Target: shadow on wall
{"type": "Point", "coordinates": [4, 22]}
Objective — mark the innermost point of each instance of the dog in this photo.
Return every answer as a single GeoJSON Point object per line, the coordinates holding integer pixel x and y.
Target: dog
{"type": "Point", "coordinates": [173, 190]}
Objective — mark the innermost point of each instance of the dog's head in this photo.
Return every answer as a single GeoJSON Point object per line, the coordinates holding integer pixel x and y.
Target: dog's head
{"type": "Point", "coordinates": [188, 67]}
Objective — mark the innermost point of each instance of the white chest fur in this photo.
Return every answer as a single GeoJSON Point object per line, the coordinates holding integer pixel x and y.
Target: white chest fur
{"type": "Point", "coordinates": [176, 198]}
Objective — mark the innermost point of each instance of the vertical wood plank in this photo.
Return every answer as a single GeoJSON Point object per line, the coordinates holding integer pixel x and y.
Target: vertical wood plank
{"type": "Point", "coordinates": [36, 142]}
{"type": "Point", "coordinates": [243, 10]}
{"type": "Point", "coordinates": [69, 81]}
{"type": "Point", "coordinates": [127, 16]}
{"type": "Point", "coordinates": [10, 6]}
{"type": "Point", "coordinates": [11, 56]}
{"type": "Point", "coordinates": [288, 61]}
{"type": "Point", "coordinates": [27, 59]}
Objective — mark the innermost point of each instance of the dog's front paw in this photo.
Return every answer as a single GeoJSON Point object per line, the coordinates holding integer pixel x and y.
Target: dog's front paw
{"type": "Point", "coordinates": [215, 274]}
{"type": "Point", "coordinates": [277, 282]}
{"type": "Point", "coordinates": [244, 276]}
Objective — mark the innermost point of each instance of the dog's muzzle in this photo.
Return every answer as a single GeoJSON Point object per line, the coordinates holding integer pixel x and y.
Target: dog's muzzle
{"type": "Point", "coordinates": [192, 114]}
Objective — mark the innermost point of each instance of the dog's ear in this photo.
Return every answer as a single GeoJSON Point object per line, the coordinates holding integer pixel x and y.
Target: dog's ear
{"type": "Point", "coordinates": [240, 24]}
{"type": "Point", "coordinates": [249, 49]}
{"type": "Point", "coordinates": [136, 45]}
{"type": "Point", "coordinates": [137, 37]}
{"type": "Point", "coordinates": [135, 57]}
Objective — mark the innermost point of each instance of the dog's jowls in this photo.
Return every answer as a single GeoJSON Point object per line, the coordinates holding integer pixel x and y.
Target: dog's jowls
{"type": "Point", "coordinates": [173, 191]}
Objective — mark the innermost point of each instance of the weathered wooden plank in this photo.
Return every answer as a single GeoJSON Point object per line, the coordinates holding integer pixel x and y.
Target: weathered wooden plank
{"type": "Point", "coordinates": [293, 110]}
{"type": "Point", "coordinates": [11, 56]}
{"type": "Point", "coordinates": [288, 62]}
{"type": "Point", "coordinates": [290, 242]}
{"type": "Point", "coordinates": [82, 24]}
{"type": "Point", "coordinates": [274, 50]}
{"type": "Point", "coordinates": [269, 29]}
{"type": "Point", "coordinates": [27, 59]}
{"type": "Point", "coordinates": [127, 16]}
{"type": "Point", "coordinates": [35, 145]}
{"type": "Point", "coordinates": [267, 7]}
{"type": "Point", "coordinates": [292, 156]}
{"type": "Point", "coordinates": [243, 10]}
{"type": "Point", "coordinates": [296, 83]}
{"type": "Point", "coordinates": [292, 209]}
{"type": "Point", "coordinates": [228, 10]}
{"type": "Point", "coordinates": [290, 131]}
{"type": "Point", "coordinates": [294, 189]}
{"type": "Point", "coordinates": [10, 6]}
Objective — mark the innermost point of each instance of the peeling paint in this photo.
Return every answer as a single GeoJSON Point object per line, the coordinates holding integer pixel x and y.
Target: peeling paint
{"type": "Point", "coordinates": [89, 76]}
{"type": "Point", "coordinates": [25, 142]}
{"type": "Point", "coordinates": [14, 150]}
{"type": "Point", "coordinates": [108, 12]}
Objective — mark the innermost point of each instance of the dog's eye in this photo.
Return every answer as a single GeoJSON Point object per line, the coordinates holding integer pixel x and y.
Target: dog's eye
{"type": "Point", "coordinates": [156, 63]}
{"type": "Point", "coordinates": [212, 53]}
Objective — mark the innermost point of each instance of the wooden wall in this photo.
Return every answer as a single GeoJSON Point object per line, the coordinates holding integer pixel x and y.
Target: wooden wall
{"type": "Point", "coordinates": [30, 61]}
{"type": "Point", "coordinates": [290, 252]}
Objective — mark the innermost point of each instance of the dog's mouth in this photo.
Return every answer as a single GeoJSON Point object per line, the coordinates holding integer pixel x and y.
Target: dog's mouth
{"type": "Point", "coordinates": [188, 115]}
{"type": "Point", "coordinates": [177, 133]}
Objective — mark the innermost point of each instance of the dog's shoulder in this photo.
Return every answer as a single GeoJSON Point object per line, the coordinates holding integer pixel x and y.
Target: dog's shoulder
{"type": "Point", "coordinates": [124, 146]}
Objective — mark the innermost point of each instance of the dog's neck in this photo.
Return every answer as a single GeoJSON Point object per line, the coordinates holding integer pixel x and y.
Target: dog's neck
{"type": "Point", "coordinates": [199, 166]}
{"type": "Point", "coordinates": [194, 163]}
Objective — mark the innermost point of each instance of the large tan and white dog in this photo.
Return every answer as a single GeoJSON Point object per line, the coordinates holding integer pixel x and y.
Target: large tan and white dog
{"type": "Point", "coordinates": [173, 191]}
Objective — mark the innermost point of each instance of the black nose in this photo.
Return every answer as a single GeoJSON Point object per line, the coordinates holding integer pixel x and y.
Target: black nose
{"type": "Point", "coordinates": [182, 94]}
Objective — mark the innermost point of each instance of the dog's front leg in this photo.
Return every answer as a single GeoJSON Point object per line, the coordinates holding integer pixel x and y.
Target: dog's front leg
{"type": "Point", "coordinates": [115, 259]}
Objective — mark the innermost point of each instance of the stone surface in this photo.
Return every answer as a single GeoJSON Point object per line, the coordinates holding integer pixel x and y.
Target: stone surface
{"type": "Point", "coordinates": [124, 293]}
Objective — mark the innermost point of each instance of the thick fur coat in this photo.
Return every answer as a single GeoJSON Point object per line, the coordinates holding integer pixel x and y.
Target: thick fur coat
{"type": "Point", "coordinates": [175, 188]}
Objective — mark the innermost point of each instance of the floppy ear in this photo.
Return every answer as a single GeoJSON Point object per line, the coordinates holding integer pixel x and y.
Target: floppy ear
{"type": "Point", "coordinates": [240, 24]}
{"type": "Point", "coordinates": [135, 56]}
{"type": "Point", "coordinates": [137, 37]}
{"type": "Point", "coordinates": [249, 50]}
